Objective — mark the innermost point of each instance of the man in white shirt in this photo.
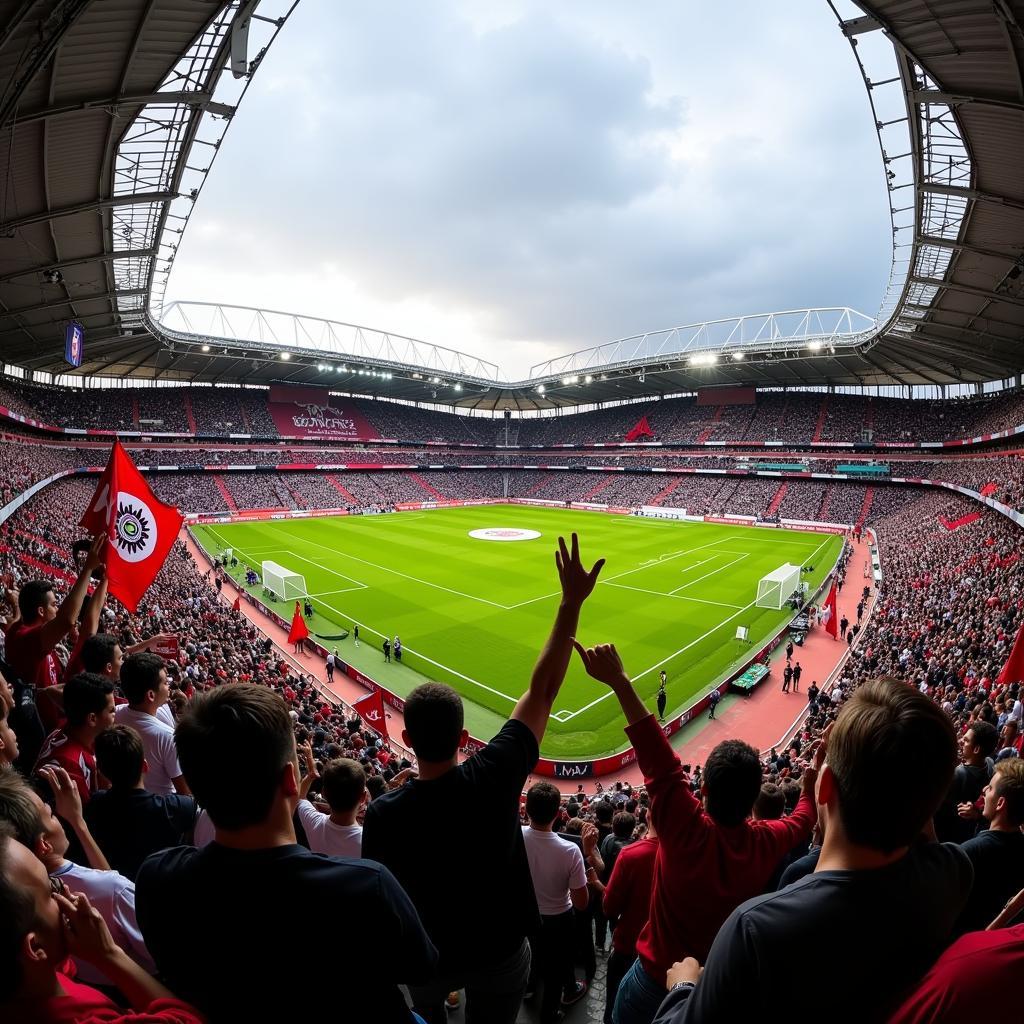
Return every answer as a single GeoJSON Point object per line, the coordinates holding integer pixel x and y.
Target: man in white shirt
{"type": "Point", "coordinates": [37, 827]}
{"type": "Point", "coordinates": [343, 785]}
{"type": "Point", "coordinates": [144, 683]}
{"type": "Point", "coordinates": [560, 884]}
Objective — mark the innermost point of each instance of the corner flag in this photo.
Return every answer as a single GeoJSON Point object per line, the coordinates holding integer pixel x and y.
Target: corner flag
{"type": "Point", "coordinates": [832, 620]}
{"type": "Point", "coordinates": [140, 528]}
{"type": "Point", "coordinates": [371, 710]}
{"type": "Point", "coordinates": [298, 630]}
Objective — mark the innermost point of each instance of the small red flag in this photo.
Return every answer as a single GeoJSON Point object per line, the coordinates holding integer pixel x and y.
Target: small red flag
{"type": "Point", "coordinates": [237, 606]}
{"type": "Point", "coordinates": [298, 631]}
{"type": "Point", "coordinates": [140, 528]}
{"type": "Point", "coordinates": [1013, 670]}
{"type": "Point", "coordinates": [832, 622]}
{"type": "Point", "coordinates": [371, 710]}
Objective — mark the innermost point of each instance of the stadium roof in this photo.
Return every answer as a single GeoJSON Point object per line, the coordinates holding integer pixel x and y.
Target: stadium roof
{"type": "Point", "coordinates": [112, 111]}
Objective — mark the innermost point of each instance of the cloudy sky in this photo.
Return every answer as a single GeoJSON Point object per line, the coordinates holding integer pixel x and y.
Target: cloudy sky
{"type": "Point", "coordinates": [520, 179]}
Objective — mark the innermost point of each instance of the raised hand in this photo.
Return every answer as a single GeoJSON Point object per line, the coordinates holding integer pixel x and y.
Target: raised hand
{"type": "Point", "coordinates": [94, 557]}
{"type": "Point", "coordinates": [577, 582]}
{"type": "Point", "coordinates": [67, 799]}
{"type": "Point", "coordinates": [86, 934]}
{"type": "Point", "coordinates": [603, 663]}
{"type": "Point", "coordinates": [589, 835]}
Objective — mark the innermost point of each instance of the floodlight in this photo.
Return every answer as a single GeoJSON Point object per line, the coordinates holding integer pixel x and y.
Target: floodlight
{"type": "Point", "coordinates": [286, 356]}
{"type": "Point", "coordinates": [206, 348]}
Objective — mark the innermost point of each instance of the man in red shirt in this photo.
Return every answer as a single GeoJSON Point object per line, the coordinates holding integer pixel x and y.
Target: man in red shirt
{"type": "Point", "coordinates": [42, 624]}
{"type": "Point", "coordinates": [89, 707]}
{"type": "Point", "coordinates": [39, 930]}
{"type": "Point", "coordinates": [711, 857]}
{"type": "Point", "coordinates": [627, 902]}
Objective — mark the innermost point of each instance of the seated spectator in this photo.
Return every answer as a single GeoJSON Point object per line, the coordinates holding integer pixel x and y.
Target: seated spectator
{"type": "Point", "coordinates": [872, 860]}
{"type": "Point", "coordinates": [439, 868]}
{"type": "Point", "coordinates": [89, 709]}
{"type": "Point", "coordinates": [997, 854]}
{"type": "Point", "coordinates": [144, 683]}
{"type": "Point", "coordinates": [126, 820]}
{"type": "Point", "coordinates": [263, 884]}
{"type": "Point", "coordinates": [42, 624]}
{"type": "Point", "coordinates": [40, 929]}
{"type": "Point", "coordinates": [343, 785]}
{"type": "Point", "coordinates": [560, 884]}
{"type": "Point", "coordinates": [710, 858]}
{"type": "Point", "coordinates": [37, 827]}
{"type": "Point", "coordinates": [627, 901]}
{"type": "Point", "coordinates": [975, 979]}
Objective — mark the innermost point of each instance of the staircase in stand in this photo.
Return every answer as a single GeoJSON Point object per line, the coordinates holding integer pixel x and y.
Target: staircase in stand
{"type": "Point", "coordinates": [605, 481]}
{"type": "Point", "coordinates": [300, 501]}
{"type": "Point", "coordinates": [822, 415]}
{"type": "Point", "coordinates": [869, 419]}
{"type": "Point", "coordinates": [245, 418]}
{"type": "Point", "coordinates": [189, 415]}
{"type": "Point", "coordinates": [780, 494]}
{"type": "Point", "coordinates": [349, 497]}
{"type": "Point", "coordinates": [229, 501]}
{"type": "Point", "coordinates": [666, 491]}
{"type": "Point", "coordinates": [825, 499]}
{"type": "Point", "coordinates": [706, 433]}
{"type": "Point", "coordinates": [135, 411]}
{"type": "Point", "coordinates": [865, 509]}
{"type": "Point", "coordinates": [545, 477]}
{"type": "Point", "coordinates": [434, 493]}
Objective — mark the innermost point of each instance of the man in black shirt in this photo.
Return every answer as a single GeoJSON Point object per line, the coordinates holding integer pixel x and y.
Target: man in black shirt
{"type": "Point", "coordinates": [453, 836]}
{"type": "Point", "coordinates": [997, 854]}
{"type": "Point", "coordinates": [976, 748]}
{"type": "Point", "coordinates": [236, 925]}
{"type": "Point", "coordinates": [128, 822]}
{"type": "Point", "coordinates": [882, 905]}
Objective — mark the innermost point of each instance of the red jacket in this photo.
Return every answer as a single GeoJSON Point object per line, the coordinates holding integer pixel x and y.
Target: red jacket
{"type": "Point", "coordinates": [628, 896]}
{"type": "Point", "coordinates": [703, 870]}
{"type": "Point", "coordinates": [977, 978]}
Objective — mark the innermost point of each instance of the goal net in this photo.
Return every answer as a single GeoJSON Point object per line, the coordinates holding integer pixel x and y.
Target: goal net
{"type": "Point", "coordinates": [775, 589]}
{"type": "Point", "coordinates": [284, 584]}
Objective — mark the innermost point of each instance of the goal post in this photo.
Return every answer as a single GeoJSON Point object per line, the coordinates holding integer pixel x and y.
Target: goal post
{"type": "Point", "coordinates": [284, 584]}
{"type": "Point", "coordinates": [775, 589]}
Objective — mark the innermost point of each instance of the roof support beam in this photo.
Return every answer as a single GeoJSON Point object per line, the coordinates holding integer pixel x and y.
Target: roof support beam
{"type": "Point", "coordinates": [79, 262]}
{"type": "Point", "coordinates": [950, 99]}
{"type": "Point", "coordinates": [981, 293]}
{"type": "Point", "coordinates": [51, 32]}
{"type": "Point", "coordinates": [41, 216]}
{"type": "Point", "coordinates": [72, 299]}
{"type": "Point", "coordinates": [951, 243]}
{"type": "Point", "coordinates": [971, 193]}
{"type": "Point", "coordinates": [113, 105]}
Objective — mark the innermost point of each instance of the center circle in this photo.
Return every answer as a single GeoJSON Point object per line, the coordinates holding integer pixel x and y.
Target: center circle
{"type": "Point", "coordinates": [504, 533]}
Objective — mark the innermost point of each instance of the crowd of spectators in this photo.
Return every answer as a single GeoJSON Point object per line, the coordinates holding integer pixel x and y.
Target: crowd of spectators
{"type": "Point", "coordinates": [794, 416]}
{"type": "Point", "coordinates": [711, 875]}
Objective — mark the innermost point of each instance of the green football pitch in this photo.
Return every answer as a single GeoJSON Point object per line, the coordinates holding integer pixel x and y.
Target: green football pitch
{"type": "Point", "coordinates": [475, 613]}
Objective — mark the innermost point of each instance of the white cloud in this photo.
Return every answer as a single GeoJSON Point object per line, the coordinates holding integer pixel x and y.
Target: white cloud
{"type": "Point", "coordinates": [518, 180]}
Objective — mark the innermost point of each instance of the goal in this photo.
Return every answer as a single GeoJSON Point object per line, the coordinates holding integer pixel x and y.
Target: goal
{"type": "Point", "coordinates": [284, 584]}
{"type": "Point", "coordinates": [775, 589]}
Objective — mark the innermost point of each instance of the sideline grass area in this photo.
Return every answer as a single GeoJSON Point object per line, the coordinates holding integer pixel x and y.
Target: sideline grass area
{"type": "Point", "coordinates": [475, 613]}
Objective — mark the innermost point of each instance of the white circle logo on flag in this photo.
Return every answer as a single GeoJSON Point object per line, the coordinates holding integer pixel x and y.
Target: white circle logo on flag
{"type": "Point", "coordinates": [134, 530]}
{"type": "Point", "coordinates": [504, 533]}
